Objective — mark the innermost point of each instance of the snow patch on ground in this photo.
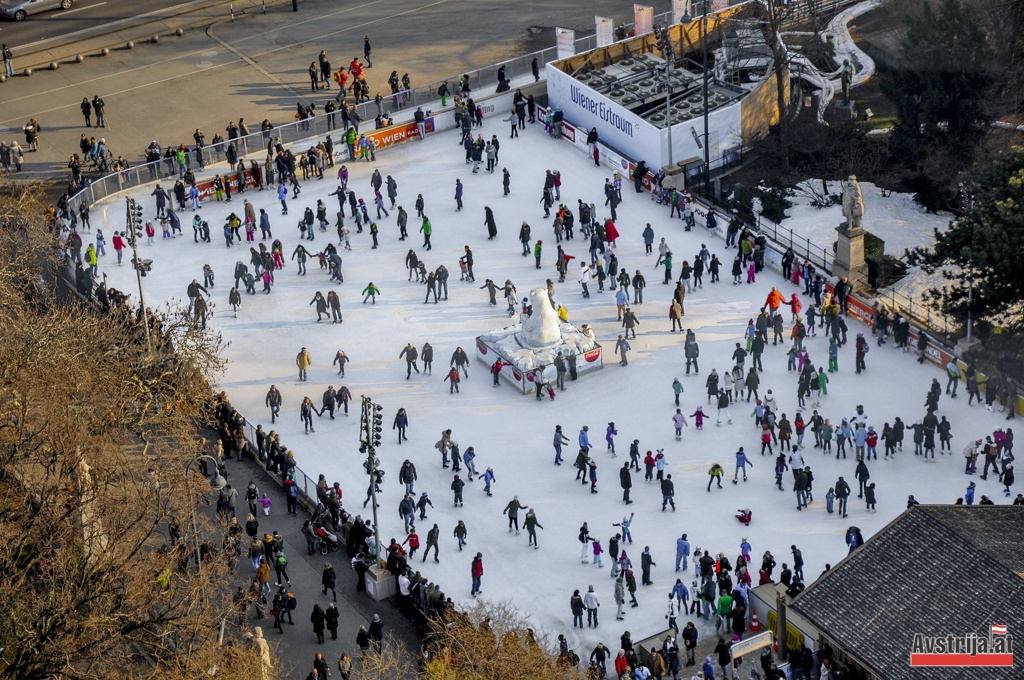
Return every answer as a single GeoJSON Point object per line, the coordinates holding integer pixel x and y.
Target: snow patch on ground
{"type": "Point", "coordinates": [896, 218]}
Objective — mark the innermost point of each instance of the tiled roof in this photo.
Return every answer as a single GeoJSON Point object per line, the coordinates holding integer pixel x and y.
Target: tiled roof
{"type": "Point", "coordinates": [935, 570]}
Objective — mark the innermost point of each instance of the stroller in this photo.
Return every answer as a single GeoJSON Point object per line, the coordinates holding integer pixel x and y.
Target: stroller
{"type": "Point", "coordinates": [744, 516]}
{"type": "Point", "coordinates": [326, 542]}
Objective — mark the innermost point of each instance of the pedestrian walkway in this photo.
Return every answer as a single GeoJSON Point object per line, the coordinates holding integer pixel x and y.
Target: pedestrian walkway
{"type": "Point", "coordinates": [298, 645]}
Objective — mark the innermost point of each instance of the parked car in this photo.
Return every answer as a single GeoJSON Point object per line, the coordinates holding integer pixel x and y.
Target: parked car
{"type": "Point", "coordinates": [19, 9]}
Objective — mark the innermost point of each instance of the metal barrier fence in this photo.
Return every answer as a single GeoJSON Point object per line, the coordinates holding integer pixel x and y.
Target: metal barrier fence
{"type": "Point", "coordinates": [483, 80]}
{"type": "Point", "coordinates": [167, 168]}
{"type": "Point", "coordinates": [305, 483]}
{"type": "Point", "coordinates": [921, 313]}
{"type": "Point", "coordinates": [784, 237]}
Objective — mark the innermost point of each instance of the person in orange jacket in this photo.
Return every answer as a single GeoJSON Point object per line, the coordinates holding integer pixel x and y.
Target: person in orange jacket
{"type": "Point", "coordinates": [772, 302]}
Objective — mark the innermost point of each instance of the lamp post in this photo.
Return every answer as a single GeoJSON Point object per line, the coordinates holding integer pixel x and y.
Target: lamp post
{"type": "Point", "coordinates": [665, 45]}
{"type": "Point", "coordinates": [371, 424]}
{"type": "Point", "coordinates": [216, 483]}
{"type": "Point", "coordinates": [687, 19]}
{"type": "Point", "coordinates": [134, 211]}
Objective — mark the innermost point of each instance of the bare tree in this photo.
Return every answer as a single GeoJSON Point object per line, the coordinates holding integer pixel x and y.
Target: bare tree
{"type": "Point", "coordinates": [93, 448]}
{"type": "Point", "coordinates": [489, 640]}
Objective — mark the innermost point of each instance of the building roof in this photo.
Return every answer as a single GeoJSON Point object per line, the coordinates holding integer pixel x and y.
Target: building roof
{"type": "Point", "coordinates": [934, 570]}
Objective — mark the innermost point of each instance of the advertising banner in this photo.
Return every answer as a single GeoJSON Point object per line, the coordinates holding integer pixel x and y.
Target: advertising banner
{"type": "Point", "coordinates": [565, 40]}
{"type": "Point", "coordinates": [644, 18]}
{"type": "Point", "coordinates": [605, 31]}
{"type": "Point", "coordinates": [616, 125]}
{"type": "Point", "coordinates": [396, 134]}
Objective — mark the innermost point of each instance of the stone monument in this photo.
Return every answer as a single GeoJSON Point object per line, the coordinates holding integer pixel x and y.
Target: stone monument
{"type": "Point", "coordinates": [846, 80]}
{"type": "Point", "coordinates": [846, 109]}
{"type": "Point", "coordinates": [849, 260]}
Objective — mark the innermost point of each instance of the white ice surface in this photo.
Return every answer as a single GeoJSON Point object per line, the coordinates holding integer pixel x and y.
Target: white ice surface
{"type": "Point", "coordinates": [511, 432]}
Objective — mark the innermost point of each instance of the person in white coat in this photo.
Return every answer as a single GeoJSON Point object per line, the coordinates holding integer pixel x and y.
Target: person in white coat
{"type": "Point", "coordinates": [673, 610]}
{"type": "Point", "coordinates": [620, 597]}
{"type": "Point", "coordinates": [585, 274]}
{"type": "Point", "coordinates": [591, 602]}
{"type": "Point", "coordinates": [796, 461]}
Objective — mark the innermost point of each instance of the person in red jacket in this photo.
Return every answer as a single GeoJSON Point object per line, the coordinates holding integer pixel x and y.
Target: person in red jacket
{"type": "Point", "coordinates": [413, 540]}
{"type": "Point", "coordinates": [621, 665]}
{"type": "Point", "coordinates": [119, 246]}
{"type": "Point", "coordinates": [496, 371]}
{"type": "Point", "coordinates": [477, 570]}
{"type": "Point", "coordinates": [794, 304]}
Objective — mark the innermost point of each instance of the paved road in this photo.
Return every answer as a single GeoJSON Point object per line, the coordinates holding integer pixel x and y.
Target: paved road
{"type": "Point", "coordinates": [256, 66]}
{"type": "Point", "coordinates": [87, 18]}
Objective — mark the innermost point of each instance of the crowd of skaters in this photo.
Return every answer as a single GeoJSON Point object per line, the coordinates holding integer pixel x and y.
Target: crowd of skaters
{"type": "Point", "coordinates": [827, 313]}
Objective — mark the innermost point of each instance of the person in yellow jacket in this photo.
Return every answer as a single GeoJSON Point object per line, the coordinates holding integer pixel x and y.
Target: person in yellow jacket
{"type": "Point", "coordinates": [90, 258]}
{"type": "Point", "coordinates": [302, 360]}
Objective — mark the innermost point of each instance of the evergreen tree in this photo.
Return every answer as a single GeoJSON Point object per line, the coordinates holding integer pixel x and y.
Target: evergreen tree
{"type": "Point", "coordinates": [980, 254]}
{"type": "Point", "coordinates": [944, 77]}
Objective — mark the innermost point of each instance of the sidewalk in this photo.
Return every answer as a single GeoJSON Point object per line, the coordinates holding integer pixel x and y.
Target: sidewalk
{"type": "Point", "coordinates": [298, 645]}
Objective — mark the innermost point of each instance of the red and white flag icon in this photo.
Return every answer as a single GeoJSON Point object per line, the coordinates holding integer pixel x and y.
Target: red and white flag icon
{"type": "Point", "coordinates": [998, 630]}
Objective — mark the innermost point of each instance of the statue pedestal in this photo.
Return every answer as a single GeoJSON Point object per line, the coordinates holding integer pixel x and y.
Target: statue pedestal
{"type": "Point", "coordinates": [849, 261]}
{"type": "Point", "coordinates": [845, 111]}
{"type": "Point", "coordinates": [965, 345]}
{"type": "Point", "coordinates": [380, 583]}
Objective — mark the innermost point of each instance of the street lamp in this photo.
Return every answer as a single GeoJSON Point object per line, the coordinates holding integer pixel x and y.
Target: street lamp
{"type": "Point", "coordinates": [687, 19]}
{"type": "Point", "coordinates": [134, 227]}
{"type": "Point", "coordinates": [665, 45]}
{"type": "Point", "coordinates": [371, 424]}
{"type": "Point", "coordinates": [217, 482]}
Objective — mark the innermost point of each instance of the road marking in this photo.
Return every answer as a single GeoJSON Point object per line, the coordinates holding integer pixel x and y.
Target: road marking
{"type": "Point", "coordinates": [236, 60]}
{"type": "Point", "coordinates": [171, 11]}
{"type": "Point", "coordinates": [58, 15]}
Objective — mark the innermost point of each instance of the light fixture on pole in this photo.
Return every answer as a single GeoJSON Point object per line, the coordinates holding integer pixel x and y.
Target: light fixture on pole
{"type": "Point", "coordinates": [687, 19]}
{"type": "Point", "coordinates": [664, 40]}
{"type": "Point", "coordinates": [217, 482]}
{"type": "Point", "coordinates": [135, 223]}
{"type": "Point", "coordinates": [371, 423]}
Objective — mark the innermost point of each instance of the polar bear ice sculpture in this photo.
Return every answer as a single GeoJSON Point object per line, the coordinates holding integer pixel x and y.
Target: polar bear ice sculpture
{"type": "Point", "coordinates": [541, 329]}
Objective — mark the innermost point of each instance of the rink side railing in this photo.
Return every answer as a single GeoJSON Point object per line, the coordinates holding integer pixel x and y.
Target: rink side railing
{"type": "Point", "coordinates": [483, 81]}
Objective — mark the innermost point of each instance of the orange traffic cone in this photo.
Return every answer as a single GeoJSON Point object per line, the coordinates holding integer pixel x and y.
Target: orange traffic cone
{"type": "Point", "coordinates": [755, 625]}
{"type": "Point", "coordinates": [775, 646]}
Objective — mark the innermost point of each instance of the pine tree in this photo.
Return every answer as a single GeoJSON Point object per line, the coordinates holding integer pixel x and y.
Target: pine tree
{"type": "Point", "coordinates": [987, 241]}
{"type": "Point", "coordinates": [944, 77]}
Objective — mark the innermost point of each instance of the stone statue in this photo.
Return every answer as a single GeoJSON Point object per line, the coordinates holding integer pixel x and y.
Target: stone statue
{"type": "Point", "coordinates": [853, 204]}
{"type": "Point", "coordinates": [846, 78]}
{"type": "Point", "coordinates": [541, 329]}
